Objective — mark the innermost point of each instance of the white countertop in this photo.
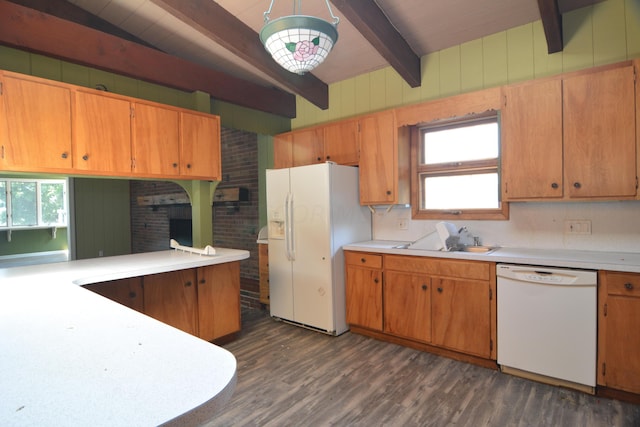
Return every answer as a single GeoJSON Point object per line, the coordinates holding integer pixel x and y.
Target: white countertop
{"type": "Point", "coordinates": [592, 260]}
{"type": "Point", "coordinates": [71, 357]}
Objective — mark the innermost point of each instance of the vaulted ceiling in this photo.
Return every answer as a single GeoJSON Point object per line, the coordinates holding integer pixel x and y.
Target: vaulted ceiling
{"type": "Point", "coordinates": [214, 46]}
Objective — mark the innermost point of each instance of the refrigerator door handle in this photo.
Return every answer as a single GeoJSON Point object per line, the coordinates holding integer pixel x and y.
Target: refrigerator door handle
{"type": "Point", "coordinates": [288, 228]}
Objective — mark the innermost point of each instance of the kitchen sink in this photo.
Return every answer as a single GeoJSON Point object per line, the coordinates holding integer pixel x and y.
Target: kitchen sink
{"type": "Point", "coordinates": [470, 248]}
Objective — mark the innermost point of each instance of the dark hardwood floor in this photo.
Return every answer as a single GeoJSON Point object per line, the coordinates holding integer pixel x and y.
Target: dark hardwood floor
{"type": "Point", "coordinates": [290, 376]}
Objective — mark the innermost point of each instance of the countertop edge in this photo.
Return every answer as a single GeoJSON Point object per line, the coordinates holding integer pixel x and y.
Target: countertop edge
{"type": "Point", "coordinates": [590, 260]}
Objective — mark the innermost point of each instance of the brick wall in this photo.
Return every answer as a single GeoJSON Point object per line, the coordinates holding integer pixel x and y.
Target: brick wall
{"type": "Point", "coordinates": [235, 225]}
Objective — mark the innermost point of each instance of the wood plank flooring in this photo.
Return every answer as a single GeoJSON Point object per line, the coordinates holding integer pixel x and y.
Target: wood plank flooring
{"type": "Point", "coordinates": [290, 376]}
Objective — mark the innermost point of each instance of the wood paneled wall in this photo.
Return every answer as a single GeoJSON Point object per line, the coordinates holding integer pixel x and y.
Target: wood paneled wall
{"type": "Point", "coordinates": [604, 33]}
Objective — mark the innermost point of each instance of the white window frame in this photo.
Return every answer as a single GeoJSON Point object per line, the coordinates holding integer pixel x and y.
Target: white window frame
{"type": "Point", "coordinates": [40, 225]}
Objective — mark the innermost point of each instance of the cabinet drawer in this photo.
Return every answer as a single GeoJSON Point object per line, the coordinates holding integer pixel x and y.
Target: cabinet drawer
{"type": "Point", "coordinates": [474, 270]}
{"type": "Point", "coordinates": [363, 259]}
{"type": "Point", "coordinates": [625, 284]}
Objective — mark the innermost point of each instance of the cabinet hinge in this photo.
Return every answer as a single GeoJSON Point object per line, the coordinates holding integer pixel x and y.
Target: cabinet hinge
{"type": "Point", "coordinates": [132, 112]}
{"type": "Point", "coordinates": [490, 294]}
{"type": "Point", "coordinates": [604, 369]}
{"type": "Point", "coordinates": [1, 88]}
{"type": "Point", "coordinates": [490, 345]}
{"type": "Point", "coordinates": [604, 310]}
{"type": "Point", "coordinates": [2, 153]}
{"type": "Point", "coordinates": [504, 100]}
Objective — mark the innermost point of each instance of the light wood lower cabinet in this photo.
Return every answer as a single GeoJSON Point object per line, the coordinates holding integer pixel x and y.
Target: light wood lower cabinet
{"type": "Point", "coordinates": [172, 298]}
{"type": "Point", "coordinates": [218, 300]}
{"type": "Point", "coordinates": [443, 303]}
{"type": "Point", "coordinates": [619, 331]}
{"type": "Point", "coordinates": [364, 289]}
{"type": "Point", "coordinates": [407, 305]}
{"type": "Point", "coordinates": [127, 292]}
{"type": "Point", "coordinates": [263, 268]}
{"type": "Point", "coordinates": [204, 302]}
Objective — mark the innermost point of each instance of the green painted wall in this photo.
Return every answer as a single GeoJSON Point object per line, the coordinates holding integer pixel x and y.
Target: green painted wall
{"type": "Point", "coordinates": [102, 219]}
{"type": "Point", "coordinates": [604, 33]}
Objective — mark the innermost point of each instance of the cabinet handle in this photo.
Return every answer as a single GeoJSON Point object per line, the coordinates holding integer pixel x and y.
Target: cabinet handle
{"type": "Point", "coordinates": [64, 155]}
{"type": "Point", "coordinates": [132, 294]}
{"type": "Point", "coordinates": [440, 290]}
{"type": "Point", "coordinates": [85, 157]}
{"type": "Point", "coordinates": [388, 192]}
{"type": "Point", "coordinates": [628, 286]}
{"type": "Point", "coordinates": [318, 159]}
{"type": "Point", "coordinates": [362, 260]}
{"type": "Point", "coordinates": [376, 280]}
{"type": "Point", "coordinates": [577, 185]}
{"type": "Point", "coordinates": [554, 185]}
{"type": "Point", "coordinates": [424, 287]}
{"type": "Point", "coordinates": [202, 281]}
{"type": "Point", "coordinates": [175, 165]}
{"type": "Point", "coordinates": [188, 165]}
{"type": "Point", "coordinates": [328, 157]}
{"type": "Point", "coordinates": [188, 284]}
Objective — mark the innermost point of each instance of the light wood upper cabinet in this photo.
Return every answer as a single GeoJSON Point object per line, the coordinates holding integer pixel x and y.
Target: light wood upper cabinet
{"type": "Point", "coordinates": [571, 138]}
{"type": "Point", "coordinates": [532, 162]}
{"type": "Point", "coordinates": [378, 159]}
{"type": "Point", "coordinates": [155, 140]}
{"type": "Point", "coordinates": [341, 142]}
{"type": "Point", "coordinates": [283, 151]}
{"type": "Point", "coordinates": [171, 298]}
{"type": "Point", "coordinates": [307, 147]}
{"type": "Point", "coordinates": [200, 146]}
{"type": "Point", "coordinates": [35, 124]}
{"type": "Point", "coordinates": [600, 134]}
{"type": "Point", "coordinates": [218, 300]}
{"type": "Point", "coordinates": [101, 133]}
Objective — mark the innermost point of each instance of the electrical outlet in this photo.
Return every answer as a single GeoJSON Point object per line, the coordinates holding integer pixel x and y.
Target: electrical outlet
{"type": "Point", "coordinates": [577, 226]}
{"type": "Point", "coordinates": [403, 224]}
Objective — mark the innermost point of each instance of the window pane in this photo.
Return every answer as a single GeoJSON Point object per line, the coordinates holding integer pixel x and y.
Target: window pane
{"type": "Point", "coordinates": [472, 142]}
{"type": "Point", "coordinates": [477, 191]}
{"type": "Point", "coordinates": [3, 203]}
{"type": "Point", "coordinates": [52, 199]}
{"type": "Point", "coordinates": [23, 204]}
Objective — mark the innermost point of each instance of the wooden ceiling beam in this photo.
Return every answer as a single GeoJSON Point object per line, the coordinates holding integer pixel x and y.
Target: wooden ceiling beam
{"type": "Point", "coordinates": [373, 24]}
{"type": "Point", "coordinates": [70, 12]}
{"type": "Point", "coordinates": [35, 31]}
{"type": "Point", "coordinates": [223, 28]}
{"type": "Point", "coordinates": [552, 24]}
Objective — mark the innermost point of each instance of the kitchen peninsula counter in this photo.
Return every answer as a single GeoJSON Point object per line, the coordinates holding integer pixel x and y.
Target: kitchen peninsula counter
{"type": "Point", "coordinates": [592, 260]}
{"type": "Point", "coordinates": [72, 357]}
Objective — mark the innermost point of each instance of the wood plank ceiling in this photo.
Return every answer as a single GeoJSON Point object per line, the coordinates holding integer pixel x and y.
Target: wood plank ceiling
{"type": "Point", "coordinates": [213, 46]}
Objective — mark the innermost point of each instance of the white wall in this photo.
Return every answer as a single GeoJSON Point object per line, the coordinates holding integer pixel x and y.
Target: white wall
{"type": "Point", "coordinates": [615, 226]}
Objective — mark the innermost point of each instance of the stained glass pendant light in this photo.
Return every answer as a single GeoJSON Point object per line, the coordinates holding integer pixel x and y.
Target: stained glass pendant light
{"type": "Point", "coordinates": [299, 43]}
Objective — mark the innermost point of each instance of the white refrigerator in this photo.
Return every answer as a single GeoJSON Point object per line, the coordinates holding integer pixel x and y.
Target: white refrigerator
{"type": "Point", "coordinates": [312, 211]}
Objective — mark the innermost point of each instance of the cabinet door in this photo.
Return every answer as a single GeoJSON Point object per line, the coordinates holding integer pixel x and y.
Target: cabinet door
{"type": "Point", "coordinates": [378, 159]}
{"type": "Point", "coordinates": [619, 331]}
{"type": "Point", "coordinates": [461, 316]}
{"type": "Point", "coordinates": [200, 154]}
{"type": "Point", "coordinates": [102, 133]}
{"type": "Point", "coordinates": [218, 300]}
{"type": "Point", "coordinates": [283, 151]}
{"type": "Point", "coordinates": [127, 292]}
{"type": "Point", "coordinates": [308, 147]}
{"type": "Point", "coordinates": [263, 268]}
{"type": "Point", "coordinates": [407, 305]}
{"type": "Point", "coordinates": [364, 297]}
{"type": "Point", "coordinates": [35, 125]}
{"type": "Point", "coordinates": [156, 140]}
{"type": "Point", "coordinates": [171, 298]}
{"type": "Point", "coordinates": [599, 134]}
{"type": "Point", "coordinates": [341, 142]}
{"type": "Point", "coordinates": [532, 141]}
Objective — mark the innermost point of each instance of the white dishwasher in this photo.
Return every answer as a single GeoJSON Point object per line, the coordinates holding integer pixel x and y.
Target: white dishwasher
{"type": "Point", "coordinates": [547, 324]}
